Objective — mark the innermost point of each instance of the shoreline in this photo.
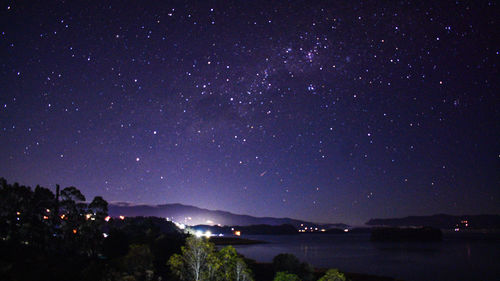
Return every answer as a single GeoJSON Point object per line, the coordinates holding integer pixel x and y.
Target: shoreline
{"type": "Point", "coordinates": [225, 241]}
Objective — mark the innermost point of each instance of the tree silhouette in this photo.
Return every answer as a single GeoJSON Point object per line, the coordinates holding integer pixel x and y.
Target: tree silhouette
{"type": "Point", "coordinates": [199, 261]}
{"type": "Point", "coordinates": [192, 264]}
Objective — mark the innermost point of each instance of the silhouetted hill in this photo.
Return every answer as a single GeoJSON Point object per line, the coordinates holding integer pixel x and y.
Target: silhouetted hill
{"type": "Point", "coordinates": [406, 234]}
{"type": "Point", "coordinates": [191, 215]}
{"type": "Point", "coordinates": [442, 221]}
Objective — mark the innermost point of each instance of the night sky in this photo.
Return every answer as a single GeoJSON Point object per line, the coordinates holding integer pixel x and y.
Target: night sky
{"type": "Point", "coordinates": [330, 111]}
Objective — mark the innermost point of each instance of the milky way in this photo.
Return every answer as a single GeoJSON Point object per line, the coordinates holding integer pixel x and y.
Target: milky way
{"type": "Point", "coordinates": [326, 111]}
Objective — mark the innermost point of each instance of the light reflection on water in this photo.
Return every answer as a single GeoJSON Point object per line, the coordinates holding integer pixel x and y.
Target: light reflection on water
{"type": "Point", "coordinates": [453, 259]}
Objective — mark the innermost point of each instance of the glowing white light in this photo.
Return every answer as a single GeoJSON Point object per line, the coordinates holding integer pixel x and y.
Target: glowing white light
{"type": "Point", "coordinates": [198, 234]}
{"type": "Point", "coordinates": [208, 233]}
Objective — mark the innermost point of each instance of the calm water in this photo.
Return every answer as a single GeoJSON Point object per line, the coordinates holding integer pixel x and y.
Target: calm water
{"type": "Point", "coordinates": [454, 259]}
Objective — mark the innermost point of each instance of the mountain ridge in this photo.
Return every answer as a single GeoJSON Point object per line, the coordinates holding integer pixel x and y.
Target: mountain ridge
{"type": "Point", "coordinates": [192, 215]}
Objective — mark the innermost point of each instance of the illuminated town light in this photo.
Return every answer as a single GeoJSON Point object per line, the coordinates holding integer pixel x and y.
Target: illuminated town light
{"type": "Point", "coordinates": [122, 217]}
{"type": "Point", "coordinates": [237, 233]}
{"type": "Point", "coordinates": [107, 218]}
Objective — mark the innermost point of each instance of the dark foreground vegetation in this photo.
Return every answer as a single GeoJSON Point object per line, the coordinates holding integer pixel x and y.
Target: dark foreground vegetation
{"type": "Point", "coordinates": [61, 236]}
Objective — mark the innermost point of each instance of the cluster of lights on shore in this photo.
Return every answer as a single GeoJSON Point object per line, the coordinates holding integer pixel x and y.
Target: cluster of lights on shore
{"type": "Point", "coordinates": [199, 233]}
{"type": "Point", "coordinates": [463, 224]}
{"type": "Point", "coordinates": [304, 229]}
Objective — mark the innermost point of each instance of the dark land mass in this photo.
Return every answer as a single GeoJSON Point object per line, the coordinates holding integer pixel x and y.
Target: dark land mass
{"type": "Point", "coordinates": [195, 216]}
{"type": "Point", "coordinates": [260, 229]}
{"type": "Point", "coordinates": [442, 221]}
{"type": "Point", "coordinates": [422, 234]}
{"type": "Point", "coordinates": [137, 224]}
{"type": "Point", "coordinates": [343, 231]}
{"type": "Point", "coordinates": [234, 241]}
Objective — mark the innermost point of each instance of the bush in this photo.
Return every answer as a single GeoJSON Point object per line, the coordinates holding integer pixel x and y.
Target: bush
{"type": "Point", "coordinates": [333, 275]}
{"type": "Point", "coordinates": [290, 263]}
{"type": "Point", "coordinates": [285, 276]}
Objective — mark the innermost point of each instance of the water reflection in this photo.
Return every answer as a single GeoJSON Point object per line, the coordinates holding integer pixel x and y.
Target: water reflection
{"type": "Point", "coordinates": [452, 259]}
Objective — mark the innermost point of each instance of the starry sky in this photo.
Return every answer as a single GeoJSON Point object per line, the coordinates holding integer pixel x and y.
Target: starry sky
{"type": "Point", "coordinates": [330, 111]}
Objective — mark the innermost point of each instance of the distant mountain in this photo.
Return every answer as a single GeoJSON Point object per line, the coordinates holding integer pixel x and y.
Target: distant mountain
{"type": "Point", "coordinates": [442, 221]}
{"type": "Point", "coordinates": [191, 215]}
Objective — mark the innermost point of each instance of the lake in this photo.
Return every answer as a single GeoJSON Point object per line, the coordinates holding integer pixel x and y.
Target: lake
{"type": "Point", "coordinates": [457, 257]}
